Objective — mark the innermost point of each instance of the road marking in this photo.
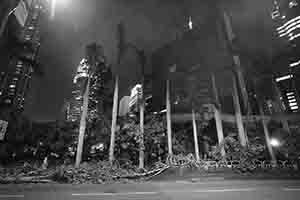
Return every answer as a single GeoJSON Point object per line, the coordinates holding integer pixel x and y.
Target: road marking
{"type": "Point", "coordinates": [115, 194]}
{"type": "Point", "coordinates": [167, 191]}
{"type": "Point", "coordinates": [227, 190]}
{"type": "Point", "coordinates": [291, 189]}
{"type": "Point", "coordinates": [11, 196]}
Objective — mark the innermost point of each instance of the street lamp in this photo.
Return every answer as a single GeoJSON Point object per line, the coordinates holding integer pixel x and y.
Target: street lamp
{"type": "Point", "coordinates": [58, 3]}
{"type": "Point", "coordinates": [274, 142]}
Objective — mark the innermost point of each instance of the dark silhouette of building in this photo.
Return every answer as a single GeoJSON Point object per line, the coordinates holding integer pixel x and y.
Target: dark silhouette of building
{"type": "Point", "coordinates": [23, 45]}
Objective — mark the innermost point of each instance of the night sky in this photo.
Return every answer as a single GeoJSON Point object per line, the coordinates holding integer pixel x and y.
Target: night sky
{"type": "Point", "coordinates": [149, 24]}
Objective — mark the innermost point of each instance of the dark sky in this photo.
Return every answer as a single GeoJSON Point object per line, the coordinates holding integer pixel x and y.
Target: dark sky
{"type": "Point", "coordinates": [149, 24]}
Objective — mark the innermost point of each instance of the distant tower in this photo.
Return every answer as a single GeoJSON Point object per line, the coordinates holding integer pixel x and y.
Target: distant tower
{"type": "Point", "coordinates": [14, 82]}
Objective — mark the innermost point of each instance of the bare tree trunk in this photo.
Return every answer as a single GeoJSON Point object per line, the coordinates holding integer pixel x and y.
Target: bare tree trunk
{"type": "Point", "coordinates": [114, 121]}
{"type": "Point", "coordinates": [217, 114]}
{"type": "Point", "coordinates": [238, 114]}
{"type": "Point", "coordinates": [267, 134]}
{"type": "Point", "coordinates": [169, 128]}
{"type": "Point", "coordinates": [142, 146]}
{"type": "Point", "coordinates": [82, 124]}
{"type": "Point", "coordinates": [236, 59]}
{"type": "Point", "coordinates": [195, 135]}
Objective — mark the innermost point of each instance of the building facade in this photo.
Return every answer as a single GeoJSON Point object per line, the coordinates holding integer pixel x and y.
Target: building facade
{"type": "Point", "coordinates": [286, 17]}
{"type": "Point", "coordinates": [97, 93]}
{"type": "Point", "coordinates": [15, 79]}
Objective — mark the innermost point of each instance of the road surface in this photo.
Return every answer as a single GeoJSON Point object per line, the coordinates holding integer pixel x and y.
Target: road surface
{"type": "Point", "coordinates": [180, 190]}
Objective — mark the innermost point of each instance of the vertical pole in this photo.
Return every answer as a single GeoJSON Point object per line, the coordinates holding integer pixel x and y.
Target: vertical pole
{"type": "Point", "coordinates": [217, 114]}
{"type": "Point", "coordinates": [236, 59]}
{"type": "Point", "coordinates": [82, 124]}
{"type": "Point", "coordinates": [114, 121]}
{"type": "Point", "coordinates": [142, 110]}
{"type": "Point", "coordinates": [142, 146]}
{"type": "Point", "coordinates": [238, 114]}
{"type": "Point", "coordinates": [195, 135]}
{"type": "Point", "coordinates": [53, 9]}
{"type": "Point", "coordinates": [169, 128]}
{"type": "Point", "coordinates": [266, 131]}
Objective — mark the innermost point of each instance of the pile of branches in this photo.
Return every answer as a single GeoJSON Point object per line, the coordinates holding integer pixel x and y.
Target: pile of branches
{"type": "Point", "coordinates": [185, 161]}
{"type": "Point", "coordinates": [104, 172]}
{"type": "Point", "coordinates": [246, 155]}
{"type": "Point", "coordinates": [26, 173]}
{"type": "Point", "coordinates": [94, 173]}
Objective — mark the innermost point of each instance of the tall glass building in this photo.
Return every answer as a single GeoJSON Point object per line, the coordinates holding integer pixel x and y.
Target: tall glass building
{"type": "Point", "coordinates": [98, 83]}
{"type": "Point", "coordinates": [286, 16]}
{"type": "Point", "coordinates": [15, 78]}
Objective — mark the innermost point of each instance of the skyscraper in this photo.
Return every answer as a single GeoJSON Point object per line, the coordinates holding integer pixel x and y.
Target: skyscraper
{"type": "Point", "coordinates": [99, 80]}
{"type": "Point", "coordinates": [286, 16]}
{"type": "Point", "coordinates": [15, 80]}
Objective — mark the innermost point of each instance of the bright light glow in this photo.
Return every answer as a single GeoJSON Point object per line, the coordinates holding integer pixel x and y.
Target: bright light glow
{"type": "Point", "coordinates": [292, 100]}
{"type": "Point", "coordinates": [293, 3]}
{"type": "Point", "coordinates": [190, 23]}
{"type": "Point", "coordinates": [274, 142]}
{"type": "Point", "coordinates": [289, 93]}
{"type": "Point", "coordinates": [284, 78]}
{"type": "Point", "coordinates": [163, 111]}
{"type": "Point", "coordinates": [295, 63]}
{"type": "Point", "coordinates": [293, 104]}
{"type": "Point", "coordinates": [58, 4]}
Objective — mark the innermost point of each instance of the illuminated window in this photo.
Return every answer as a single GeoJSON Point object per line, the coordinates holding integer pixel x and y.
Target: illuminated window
{"type": "Point", "coordinates": [293, 3]}
{"type": "Point", "coordinates": [284, 78]}
{"type": "Point", "coordinates": [294, 107]}
{"type": "Point", "coordinates": [295, 63]}
{"type": "Point", "coordinates": [294, 37]}
{"type": "Point", "coordinates": [293, 104]}
{"type": "Point", "coordinates": [12, 86]}
{"type": "Point", "coordinates": [288, 24]}
{"type": "Point", "coordinates": [27, 37]}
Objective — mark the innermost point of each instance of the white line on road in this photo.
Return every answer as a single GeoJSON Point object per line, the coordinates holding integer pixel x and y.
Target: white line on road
{"type": "Point", "coordinates": [167, 191]}
{"type": "Point", "coordinates": [291, 189]}
{"type": "Point", "coordinates": [227, 190]}
{"type": "Point", "coordinates": [11, 196]}
{"type": "Point", "coordinates": [115, 194]}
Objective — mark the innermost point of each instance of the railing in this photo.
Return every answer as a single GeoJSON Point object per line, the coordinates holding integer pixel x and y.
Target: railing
{"type": "Point", "coordinates": [189, 160]}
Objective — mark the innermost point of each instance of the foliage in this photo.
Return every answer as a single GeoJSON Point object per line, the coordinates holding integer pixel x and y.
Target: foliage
{"type": "Point", "coordinates": [129, 137]}
{"type": "Point", "coordinates": [235, 151]}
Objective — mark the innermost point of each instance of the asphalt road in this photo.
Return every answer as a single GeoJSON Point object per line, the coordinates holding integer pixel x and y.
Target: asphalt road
{"type": "Point", "coordinates": [183, 190]}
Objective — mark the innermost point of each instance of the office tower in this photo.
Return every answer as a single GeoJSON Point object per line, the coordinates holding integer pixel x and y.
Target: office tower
{"type": "Point", "coordinates": [286, 17]}
{"type": "Point", "coordinates": [97, 94]}
{"type": "Point", "coordinates": [15, 79]}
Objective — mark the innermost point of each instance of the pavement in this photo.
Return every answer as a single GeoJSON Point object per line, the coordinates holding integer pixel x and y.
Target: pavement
{"type": "Point", "coordinates": [158, 190]}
